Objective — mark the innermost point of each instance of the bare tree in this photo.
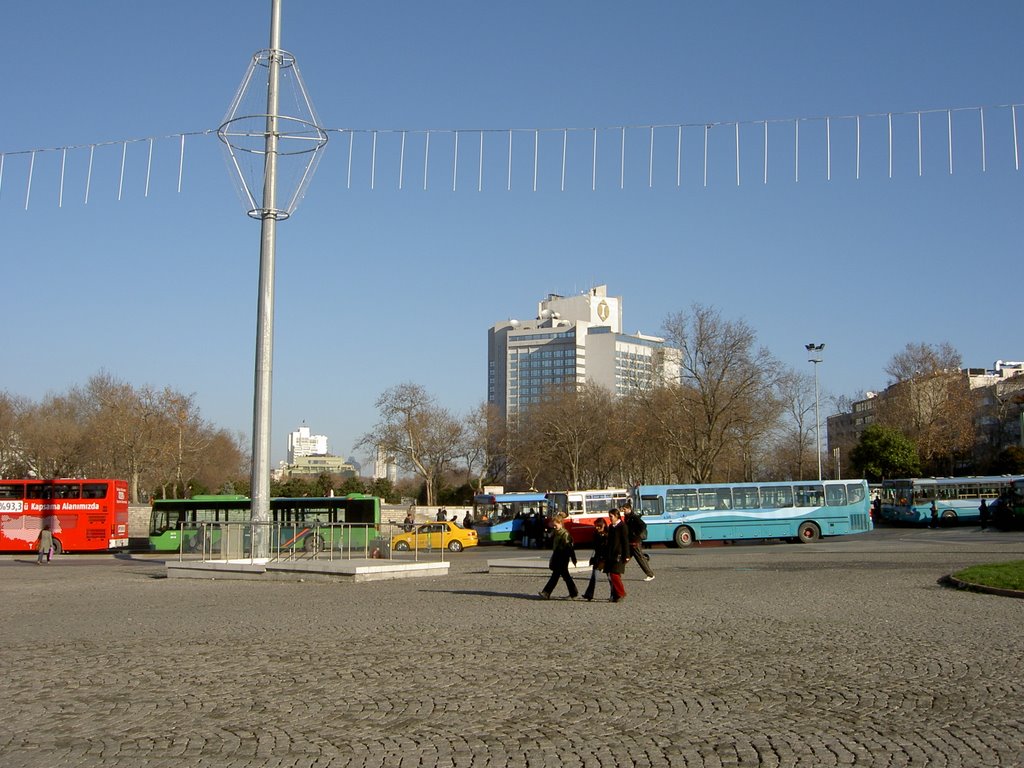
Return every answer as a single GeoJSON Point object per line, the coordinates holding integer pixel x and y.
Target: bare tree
{"type": "Point", "coordinates": [484, 437]}
{"type": "Point", "coordinates": [796, 442]}
{"type": "Point", "coordinates": [423, 437]}
{"type": "Point", "coordinates": [922, 359]}
{"type": "Point", "coordinates": [53, 437]}
{"type": "Point", "coordinates": [127, 426]}
{"type": "Point", "coordinates": [13, 412]}
{"type": "Point", "coordinates": [726, 389]}
{"type": "Point", "coordinates": [570, 437]}
{"type": "Point", "coordinates": [645, 456]}
{"type": "Point", "coordinates": [930, 402]}
{"type": "Point", "coordinates": [526, 455]}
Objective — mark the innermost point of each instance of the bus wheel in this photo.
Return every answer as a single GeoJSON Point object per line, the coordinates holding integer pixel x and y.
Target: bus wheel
{"type": "Point", "coordinates": [455, 545]}
{"type": "Point", "coordinates": [809, 532]}
{"type": "Point", "coordinates": [402, 546]}
{"type": "Point", "coordinates": [313, 543]}
{"type": "Point", "coordinates": [194, 544]}
{"type": "Point", "coordinates": [57, 547]}
{"type": "Point", "coordinates": [949, 517]}
{"type": "Point", "coordinates": [683, 537]}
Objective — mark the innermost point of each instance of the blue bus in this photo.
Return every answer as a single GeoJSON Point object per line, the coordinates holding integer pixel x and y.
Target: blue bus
{"type": "Point", "coordinates": [796, 511]}
{"type": "Point", "coordinates": [500, 517]}
{"type": "Point", "coordinates": [957, 499]}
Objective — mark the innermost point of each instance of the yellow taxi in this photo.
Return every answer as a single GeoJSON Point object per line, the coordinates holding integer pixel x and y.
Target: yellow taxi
{"type": "Point", "coordinates": [444, 534]}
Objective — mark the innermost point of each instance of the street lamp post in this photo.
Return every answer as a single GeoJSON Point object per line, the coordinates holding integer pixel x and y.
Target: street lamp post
{"type": "Point", "coordinates": [814, 356]}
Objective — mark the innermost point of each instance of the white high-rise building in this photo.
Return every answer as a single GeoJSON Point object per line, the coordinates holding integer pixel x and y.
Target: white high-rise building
{"type": "Point", "coordinates": [572, 341]}
{"type": "Point", "coordinates": [384, 467]}
{"type": "Point", "coordinates": [302, 443]}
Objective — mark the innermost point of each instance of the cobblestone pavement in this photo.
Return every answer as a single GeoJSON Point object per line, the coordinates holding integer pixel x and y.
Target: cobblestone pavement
{"type": "Point", "coordinates": [841, 653]}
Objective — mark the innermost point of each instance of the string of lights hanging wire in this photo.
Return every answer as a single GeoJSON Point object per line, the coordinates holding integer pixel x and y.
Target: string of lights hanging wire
{"type": "Point", "coordinates": [672, 154]}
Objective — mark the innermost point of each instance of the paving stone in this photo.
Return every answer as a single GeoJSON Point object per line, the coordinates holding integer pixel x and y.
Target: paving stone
{"type": "Point", "coordinates": [842, 653]}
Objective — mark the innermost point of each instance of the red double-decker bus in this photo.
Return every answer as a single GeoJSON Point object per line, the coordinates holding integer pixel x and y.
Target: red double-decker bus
{"type": "Point", "coordinates": [84, 515]}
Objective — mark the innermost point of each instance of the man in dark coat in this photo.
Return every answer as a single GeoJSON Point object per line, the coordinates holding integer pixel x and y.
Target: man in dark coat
{"type": "Point", "coordinates": [637, 530]}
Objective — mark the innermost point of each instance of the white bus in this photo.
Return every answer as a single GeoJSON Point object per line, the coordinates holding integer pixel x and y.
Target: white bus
{"type": "Point", "coordinates": [585, 507]}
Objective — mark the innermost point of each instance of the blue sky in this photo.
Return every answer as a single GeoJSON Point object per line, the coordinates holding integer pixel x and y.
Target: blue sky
{"type": "Point", "coordinates": [377, 287]}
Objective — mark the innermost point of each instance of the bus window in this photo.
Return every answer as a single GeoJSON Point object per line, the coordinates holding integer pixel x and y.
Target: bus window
{"type": "Point", "coordinates": [855, 491]}
{"type": "Point", "coordinates": [94, 490]}
{"type": "Point", "coordinates": [746, 497]}
{"type": "Point", "coordinates": [966, 491]}
{"type": "Point", "coordinates": [923, 492]}
{"type": "Point", "coordinates": [707, 499]}
{"type": "Point", "coordinates": [37, 491]}
{"type": "Point", "coordinates": [11, 490]}
{"type": "Point", "coordinates": [835, 495]}
{"type": "Point", "coordinates": [776, 496]}
{"type": "Point", "coordinates": [723, 498]}
{"type": "Point", "coordinates": [681, 500]}
{"type": "Point", "coordinates": [67, 491]}
{"type": "Point", "coordinates": [650, 505]}
{"type": "Point", "coordinates": [319, 516]}
{"type": "Point", "coordinates": [809, 495]}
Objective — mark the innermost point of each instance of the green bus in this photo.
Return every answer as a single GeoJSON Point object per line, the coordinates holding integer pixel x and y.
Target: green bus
{"type": "Point", "coordinates": [309, 524]}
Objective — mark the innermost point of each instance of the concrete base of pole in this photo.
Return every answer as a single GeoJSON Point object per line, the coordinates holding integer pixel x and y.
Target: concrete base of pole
{"type": "Point", "coordinates": [304, 570]}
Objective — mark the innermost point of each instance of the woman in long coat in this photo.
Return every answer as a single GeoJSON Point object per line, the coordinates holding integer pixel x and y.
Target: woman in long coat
{"type": "Point", "coordinates": [562, 553]}
{"type": "Point", "coordinates": [44, 543]}
{"type": "Point", "coordinates": [617, 555]}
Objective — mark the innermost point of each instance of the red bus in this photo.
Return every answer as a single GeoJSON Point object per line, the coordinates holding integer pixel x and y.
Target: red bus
{"type": "Point", "coordinates": [84, 515]}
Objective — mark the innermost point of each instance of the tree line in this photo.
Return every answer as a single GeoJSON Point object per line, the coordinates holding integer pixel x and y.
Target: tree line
{"type": "Point", "coordinates": [929, 422]}
{"type": "Point", "coordinates": [156, 439]}
{"type": "Point", "coordinates": [734, 413]}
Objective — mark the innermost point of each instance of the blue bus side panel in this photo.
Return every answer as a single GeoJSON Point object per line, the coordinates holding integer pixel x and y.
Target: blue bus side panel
{"type": "Point", "coordinates": [500, 533]}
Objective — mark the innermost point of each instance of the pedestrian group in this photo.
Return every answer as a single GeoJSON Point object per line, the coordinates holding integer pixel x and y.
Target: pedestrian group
{"type": "Point", "coordinates": [616, 542]}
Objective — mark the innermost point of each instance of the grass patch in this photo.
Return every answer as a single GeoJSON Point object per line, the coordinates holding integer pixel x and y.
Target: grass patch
{"type": "Point", "coordinates": [998, 575]}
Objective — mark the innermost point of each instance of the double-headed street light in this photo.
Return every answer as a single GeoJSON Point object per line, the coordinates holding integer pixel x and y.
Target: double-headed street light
{"type": "Point", "coordinates": [814, 356]}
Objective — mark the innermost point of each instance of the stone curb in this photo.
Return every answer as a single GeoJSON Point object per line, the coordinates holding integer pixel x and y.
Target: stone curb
{"type": "Point", "coordinates": [951, 581]}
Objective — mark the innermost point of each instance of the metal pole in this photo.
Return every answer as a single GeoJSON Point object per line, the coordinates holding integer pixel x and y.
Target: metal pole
{"type": "Point", "coordinates": [817, 419]}
{"type": "Point", "coordinates": [260, 481]}
{"type": "Point", "coordinates": [814, 356]}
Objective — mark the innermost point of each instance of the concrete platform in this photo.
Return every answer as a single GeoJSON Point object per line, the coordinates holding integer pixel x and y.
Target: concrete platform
{"type": "Point", "coordinates": [531, 565]}
{"type": "Point", "coordinates": [305, 570]}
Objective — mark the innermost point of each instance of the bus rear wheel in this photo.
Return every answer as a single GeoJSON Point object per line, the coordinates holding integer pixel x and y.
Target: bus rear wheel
{"type": "Point", "coordinates": [57, 547]}
{"type": "Point", "coordinates": [809, 532]}
{"type": "Point", "coordinates": [949, 517]}
{"type": "Point", "coordinates": [683, 537]}
{"type": "Point", "coordinates": [313, 543]}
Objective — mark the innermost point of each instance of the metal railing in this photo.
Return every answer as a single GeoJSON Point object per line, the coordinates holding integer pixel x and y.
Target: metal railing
{"type": "Point", "coordinates": [293, 541]}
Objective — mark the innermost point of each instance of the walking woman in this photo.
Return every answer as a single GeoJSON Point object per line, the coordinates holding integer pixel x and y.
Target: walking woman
{"type": "Point", "coordinates": [600, 552]}
{"type": "Point", "coordinates": [562, 553]}
{"type": "Point", "coordinates": [44, 545]}
{"type": "Point", "coordinates": [616, 555]}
